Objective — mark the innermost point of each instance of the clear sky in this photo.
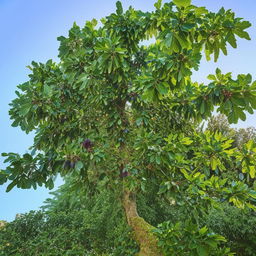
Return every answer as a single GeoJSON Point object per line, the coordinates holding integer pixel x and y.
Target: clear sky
{"type": "Point", "coordinates": [28, 31]}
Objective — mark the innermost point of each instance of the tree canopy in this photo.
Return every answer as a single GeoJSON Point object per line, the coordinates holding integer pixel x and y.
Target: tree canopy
{"type": "Point", "coordinates": [120, 111]}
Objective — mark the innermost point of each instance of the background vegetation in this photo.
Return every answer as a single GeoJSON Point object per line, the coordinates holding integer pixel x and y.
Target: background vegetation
{"type": "Point", "coordinates": [73, 222]}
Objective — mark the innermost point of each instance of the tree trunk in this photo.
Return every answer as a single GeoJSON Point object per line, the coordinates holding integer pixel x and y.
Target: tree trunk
{"type": "Point", "coordinates": [142, 230]}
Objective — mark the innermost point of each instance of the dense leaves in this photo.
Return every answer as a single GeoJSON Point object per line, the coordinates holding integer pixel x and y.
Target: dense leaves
{"type": "Point", "coordinates": [74, 223]}
{"type": "Point", "coordinates": [237, 226]}
{"type": "Point", "coordinates": [109, 84]}
{"type": "Point", "coordinates": [93, 227]}
{"type": "Point", "coordinates": [120, 112]}
{"type": "Point", "coordinates": [187, 239]}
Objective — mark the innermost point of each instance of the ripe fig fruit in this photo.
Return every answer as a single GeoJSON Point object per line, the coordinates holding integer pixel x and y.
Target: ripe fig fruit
{"type": "Point", "coordinates": [72, 165]}
{"type": "Point", "coordinates": [124, 174]}
{"type": "Point", "coordinates": [87, 144]}
{"type": "Point", "coordinates": [67, 164]}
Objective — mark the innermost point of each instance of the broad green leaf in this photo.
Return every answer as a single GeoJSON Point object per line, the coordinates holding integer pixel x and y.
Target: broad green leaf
{"type": "Point", "coordinates": [202, 250]}
{"type": "Point", "coordinates": [119, 7]}
{"type": "Point", "coordinates": [214, 163]}
{"type": "Point", "coordinates": [169, 39]}
{"type": "Point", "coordinates": [242, 34]}
{"type": "Point", "coordinates": [47, 90]}
{"type": "Point", "coordinates": [79, 165]}
{"type": "Point", "coordinates": [244, 25]}
{"type": "Point", "coordinates": [50, 184]}
{"type": "Point", "coordinates": [182, 40]}
{"type": "Point", "coordinates": [203, 230]}
{"type": "Point", "coordinates": [252, 171]}
{"type": "Point", "coordinates": [162, 88]}
{"type": "Point", "coordinates": [186, 141]}
{"type": "Point", "coordinates": [182, 3]}
{"type": "Point", "coordinates": [25, 109]}
{"type": "Point", "coordinates": [202, 107]}
{"type": "Point", "coordinates": [149, 95]}
{"type": "Point", "coordinates": [187, 26]}
{"type": "Point", "coordinates": [11, 186]}
{"type": "Point", "coordinates": [94, 22]}
{"type": "Point", "coordinates": [158, 4]}
{"type": "Point", "coordinates": [211, 77]}
{"type": "Point", "coordinates": [231, 39]}
{"type": "Point", "coordinates": [200, 10]}
{"type": "Point", "coordinates": [252, 194]}
{"type": "Point", "coordinates": [216, 52]}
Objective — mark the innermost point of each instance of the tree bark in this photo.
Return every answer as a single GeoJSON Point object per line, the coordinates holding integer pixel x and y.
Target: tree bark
{"type": "Point", "coordinates": [142, 231]}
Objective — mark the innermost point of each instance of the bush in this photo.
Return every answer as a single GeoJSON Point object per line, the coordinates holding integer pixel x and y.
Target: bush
{"type": "Point", "coordinates": [237, 226]}
{"type": "Point", "coordinates": [187, 239]}
{"type": "Point", "coordinates": [98, 229]}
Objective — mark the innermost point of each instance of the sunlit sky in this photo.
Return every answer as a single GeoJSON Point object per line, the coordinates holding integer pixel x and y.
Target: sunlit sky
{"type": "Point", "coordinates": [28, 31]}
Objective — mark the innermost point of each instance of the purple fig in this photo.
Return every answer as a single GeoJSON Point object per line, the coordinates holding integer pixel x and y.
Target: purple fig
{"type": "Point", "coordinates": [67, 164]}
{"type": "Point", "coordinates": [124, 174]}
{"type": "Point", "coordinates": [72, 165]}
{"type": "Point", "coordinates": [87, 144]}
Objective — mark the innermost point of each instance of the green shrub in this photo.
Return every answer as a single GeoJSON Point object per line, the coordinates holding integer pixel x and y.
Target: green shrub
{"type": "Point", "coordinates": [237, 226]}
{"type": "Point", "coordinates": [98, 229]}
{"type": "Point", "coordinates": [187, 239]}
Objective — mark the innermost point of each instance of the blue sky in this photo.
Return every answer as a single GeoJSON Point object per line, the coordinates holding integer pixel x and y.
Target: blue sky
{"type": "Point", "coordinates": [29, 30]}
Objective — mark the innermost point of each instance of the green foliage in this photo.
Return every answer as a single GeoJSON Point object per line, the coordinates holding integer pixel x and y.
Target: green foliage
{"type": "Point", "coordinates": [138, 108]}
{"type": "Point", "coordinates": [37, 234]}
{"type": "Point", "coordinates": [237, 226]}
{"type": "Point", "coordinates": [240, 135]}
{"type": "Point", "coordinates": [243, 139]}
{"type": "Point", "coordinates": [98, 229]}
{"type": "Point", "coordinates": [108, 82]}
{"type": "Point", "coordinates": [74, 223]}
{"type": "Point", "coordinates": [187, 239]}
{"type": "Point", "coordinates": [182, 3]}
